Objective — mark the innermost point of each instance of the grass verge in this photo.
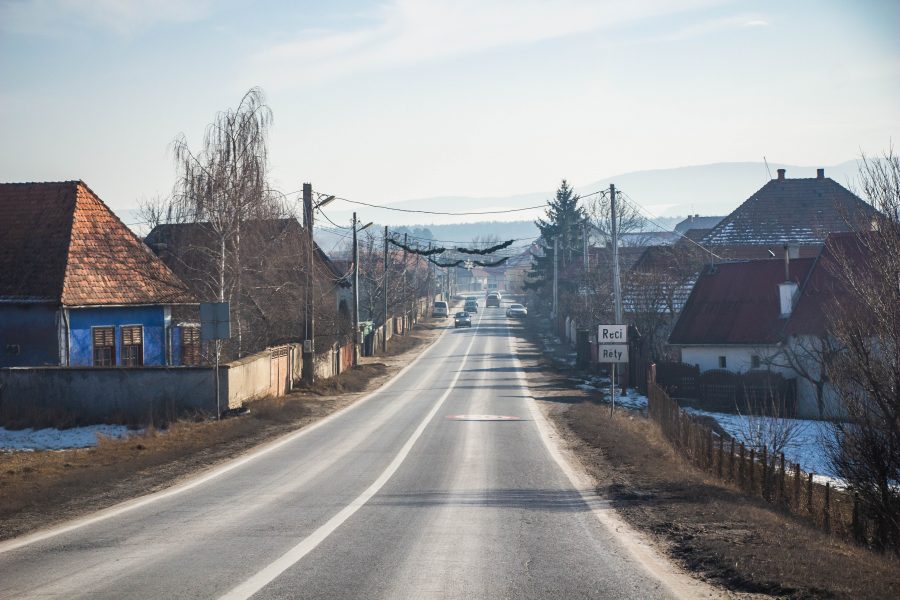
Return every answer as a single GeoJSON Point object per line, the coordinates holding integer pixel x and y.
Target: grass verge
{"type": "Point", "coordinates": [711, 529]}
{"type": "Point", "coordinates": [42, 488]}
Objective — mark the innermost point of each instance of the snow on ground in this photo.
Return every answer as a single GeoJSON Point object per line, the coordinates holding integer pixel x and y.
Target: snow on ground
{"type": "Point", "coordinates": [59, 439]}
{"type": "Point", "coordinates": [806, 448]}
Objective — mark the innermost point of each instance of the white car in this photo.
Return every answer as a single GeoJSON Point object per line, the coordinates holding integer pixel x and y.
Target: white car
{"type": "Point", "coordinates": [516, 311]}
{"type": "Point", "coordinates": [440, 310]}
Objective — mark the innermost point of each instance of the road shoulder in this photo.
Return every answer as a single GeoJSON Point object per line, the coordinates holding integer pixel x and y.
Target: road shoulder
{"type": "Point", "coordinates": [708, 529]}
{"type": "Point", "coordinates": [44, 489]}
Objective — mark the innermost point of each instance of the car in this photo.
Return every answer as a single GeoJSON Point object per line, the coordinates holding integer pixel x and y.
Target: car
{"type": "Point", "coordinates": [471, 306]}
{"type": "Point", "coordinates": [493, 299]}
{"type": "Point", "coordinates": [516, 311]}
{"type": "Point", "coordinates": [462, 319]}
{"type": "Point", "coordinates": [440, 310]}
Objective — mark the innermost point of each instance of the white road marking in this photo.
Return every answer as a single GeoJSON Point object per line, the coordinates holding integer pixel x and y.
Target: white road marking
{"type": "Point", "coordinates": [483, 418]}
{"type": "Point", "coordinates": [309, 543]}
{"type": "Point", "coordinates": [130, 505]}
{"type": "Point", "coordinates": [678, 583]}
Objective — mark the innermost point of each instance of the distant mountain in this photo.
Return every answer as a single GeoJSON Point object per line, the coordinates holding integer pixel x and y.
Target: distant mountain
{"type": "Point", "coordinates": [714, 189]}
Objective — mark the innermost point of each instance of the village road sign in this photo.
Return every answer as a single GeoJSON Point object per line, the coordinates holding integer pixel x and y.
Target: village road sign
{"type": "Point", "coordinates": [612, 353]}
{"type": "Point", "coordinates": [215, 321]}
{"type": "Point", "coordinates": [612, 334]}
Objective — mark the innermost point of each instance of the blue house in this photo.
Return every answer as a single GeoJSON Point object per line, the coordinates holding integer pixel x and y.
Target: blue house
{"type": "Point", "coordinates": [77, 287]}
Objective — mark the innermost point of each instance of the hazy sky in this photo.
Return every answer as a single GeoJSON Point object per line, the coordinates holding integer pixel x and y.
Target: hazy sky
{"type": "Point", "coordinates": [399, 99]}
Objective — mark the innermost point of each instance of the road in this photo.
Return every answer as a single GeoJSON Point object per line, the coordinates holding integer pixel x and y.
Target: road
{"type": "Point", "coordinates": [406, 494]}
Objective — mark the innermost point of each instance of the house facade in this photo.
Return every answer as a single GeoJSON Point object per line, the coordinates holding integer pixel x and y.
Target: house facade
{"type": "Point", "coordinates": [77, 287]}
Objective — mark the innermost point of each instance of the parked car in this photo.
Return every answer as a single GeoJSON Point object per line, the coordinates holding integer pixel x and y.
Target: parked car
{"type": "Point", "coordinates": [462, 319]}
{"type": "Point", "coordinates": [471, 306]}
{"type": "Point", "coordinates": [493, 299]}
{"type": "Point", "coordinates": [440, 310]}
{"type": "Point", "coordinates": [516, 311]}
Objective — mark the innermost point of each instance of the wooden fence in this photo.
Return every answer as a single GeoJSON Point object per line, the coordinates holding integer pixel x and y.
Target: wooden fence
{"type": "Point", "coordinates": [759, 474]}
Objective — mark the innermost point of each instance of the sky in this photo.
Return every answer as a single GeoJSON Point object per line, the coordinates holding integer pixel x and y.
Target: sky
{"type": "Point", "coordinates": [401, 99]}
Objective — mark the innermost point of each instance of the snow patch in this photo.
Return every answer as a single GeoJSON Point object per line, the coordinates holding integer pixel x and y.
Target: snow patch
{"type": "Point", "coordinates": [59, 439]}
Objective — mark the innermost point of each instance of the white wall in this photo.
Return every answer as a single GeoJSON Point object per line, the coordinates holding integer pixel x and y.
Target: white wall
{"type": "Point", "coordinates": [737, 358]}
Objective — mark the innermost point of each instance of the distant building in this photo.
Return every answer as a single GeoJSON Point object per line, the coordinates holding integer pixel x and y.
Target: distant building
{"type": "Point", "coordinates": [77, 287]}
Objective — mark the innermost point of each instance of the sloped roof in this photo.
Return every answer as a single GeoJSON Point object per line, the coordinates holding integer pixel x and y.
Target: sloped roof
{"type": "Point", "coordinates": [822, 287]}
{"type": "Point", "coordinates": [795, 211]}
{"type": "Point", "coordinates": [61, 243]}
{"type": "Point", "coordinates": [737, 303]}
{"type": "Point", "coordinates": [697, 222]}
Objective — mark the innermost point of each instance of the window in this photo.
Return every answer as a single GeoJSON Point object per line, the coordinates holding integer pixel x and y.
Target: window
{"type": "Point", "coordinates": [132, 346]}
{"type": "Point", "coordinates": [755, 362]}
{"type": "Point", "coordinates": [190, 346]}
{"type": "Point", "coordinates": [723, 363]}
{"type": "Point", "coordinates": [104, 339]}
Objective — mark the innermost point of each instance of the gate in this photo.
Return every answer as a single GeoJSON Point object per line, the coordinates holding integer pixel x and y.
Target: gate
{"type": "Point", "coordinates": [279, 371]}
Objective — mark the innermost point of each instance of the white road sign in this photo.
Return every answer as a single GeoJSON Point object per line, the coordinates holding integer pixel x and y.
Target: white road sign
{"type": "Point", "coordinates": [612, 334]}
{"type": "Point", "coordinates": [612, 353]}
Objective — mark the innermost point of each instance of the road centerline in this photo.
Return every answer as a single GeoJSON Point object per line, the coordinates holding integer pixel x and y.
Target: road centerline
{"type": "Point", "coordinates": [268, 574]}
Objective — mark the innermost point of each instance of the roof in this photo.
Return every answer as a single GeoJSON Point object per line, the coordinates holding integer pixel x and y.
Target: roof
{"type": "Point", "coordinates": [62, 244]}
{"type": "Point", "coordinates": [737, 303]}
{"type": "Point", "coordinates": [822, 287]}
{"type": "Point", "coordinates": [794, 211]}
{"type": "Point", "coordinates": [697, 222]}
{"type": "Point", "coordinates": [185, 247]}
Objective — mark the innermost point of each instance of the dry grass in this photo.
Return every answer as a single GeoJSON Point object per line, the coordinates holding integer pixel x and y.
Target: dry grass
{"type": "Point", "coordinates": [38, 489]}
{"type": "Point", "coordinates": [711, 528]}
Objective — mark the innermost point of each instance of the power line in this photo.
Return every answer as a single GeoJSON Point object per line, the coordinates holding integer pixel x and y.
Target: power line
{"type": "Point", "coordinates": [650, 218]}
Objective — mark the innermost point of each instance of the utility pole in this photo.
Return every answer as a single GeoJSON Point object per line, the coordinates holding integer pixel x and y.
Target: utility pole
{"type": "Point", "coordinates": [385, 284]}
{"type": "Point", "coordinates": [309, 367]}
{"type": "Point", "coordinates": [555, 276]}
{"type": "Point", "coordinates": [355, 294]}
{"type": "Point", "coordinates": [617, 283]}
{"type": "Point", "coordinates": [405, 301]}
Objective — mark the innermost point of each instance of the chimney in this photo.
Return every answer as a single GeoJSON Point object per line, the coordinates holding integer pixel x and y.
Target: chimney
{"type": "Point", "coordinates": [820, 173]}
{"type": "Point", "coordinates": [787, 294]}
{"type": "Point", "coordinates": [781, 174]}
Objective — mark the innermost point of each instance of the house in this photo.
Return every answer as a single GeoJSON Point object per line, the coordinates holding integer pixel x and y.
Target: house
{"type": "Point", "coordinates": [769, 315]}
{"type": "Point", "coordinates": [799, 213]}
{"type": "Point", "coordinates": [268, 300]}
{"type": "Point", "coordinates": [77, 287]}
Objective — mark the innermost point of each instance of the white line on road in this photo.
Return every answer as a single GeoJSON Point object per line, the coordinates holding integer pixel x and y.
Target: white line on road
{"type": "Point", "coordinates": [678, 583]}
{"type": "Point", "coordinates": [136, 503]}
{"type": "Point", "coordinates": [308, 544]}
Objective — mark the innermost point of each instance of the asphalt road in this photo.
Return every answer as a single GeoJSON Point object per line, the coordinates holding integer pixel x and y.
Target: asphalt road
{"type": "Point", "coordinates": [397, 497]}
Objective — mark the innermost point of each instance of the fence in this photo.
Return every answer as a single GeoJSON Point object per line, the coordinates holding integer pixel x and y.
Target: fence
{"type": "Point", "coordinates": [396, 325]}
{"type": "Point", "coordinates": [757, 473]}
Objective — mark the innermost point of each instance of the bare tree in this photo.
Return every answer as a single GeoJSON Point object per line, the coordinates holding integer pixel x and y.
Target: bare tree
{"type": "Point", "coordinates": [224, 185]}
{"type": "Point", "coordinates": [865, 321]}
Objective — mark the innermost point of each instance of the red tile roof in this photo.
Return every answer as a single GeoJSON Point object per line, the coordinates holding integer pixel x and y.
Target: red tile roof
{"type": "Point", "coordinates": [61, 243]}
{"type": "Point", "coordinates": [737, 303]}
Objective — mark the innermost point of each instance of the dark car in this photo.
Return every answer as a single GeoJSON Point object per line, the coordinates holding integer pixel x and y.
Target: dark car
{"type": "Point", "coordinates": [471, 306]}
{"type": "Point", "coordinates": [493, 299]}
{"type": "Point", "coordinates": [462, 319]}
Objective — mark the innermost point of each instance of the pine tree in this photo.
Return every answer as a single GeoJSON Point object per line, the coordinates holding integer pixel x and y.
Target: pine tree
{"type": "Point", "coordinates": [564, 222]}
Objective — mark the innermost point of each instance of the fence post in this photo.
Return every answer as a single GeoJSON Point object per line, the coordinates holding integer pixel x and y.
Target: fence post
{"type": "Point", "coordinates": [752, 467]}
{"type": "Point", "coordinates": [797, 487]}
{"type": "Point", "coordinates": [721, 455]}
{"type": "Point", "coordinates": [731, 461]}
{"type": "Point", "coordinates": [826, 515]}
{"type": "Point", "coordinates": [857, 529]}
{"type": "Point", "coordinates": [742, 472]}
{"type": "Point", "coordinates": [781, 482]}
{"type": "Point", "coordinates": [764, 484]}
{"type": "Point", "coordinates": [709, 450]}
{"type": "Point", "coordinates": [809, 494]}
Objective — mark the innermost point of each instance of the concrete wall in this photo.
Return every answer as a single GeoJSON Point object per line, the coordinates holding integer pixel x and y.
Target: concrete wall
{"type": "Point", "coordinates": [154, 320]}
{"type": "Point", "coordinates": [29, 335]}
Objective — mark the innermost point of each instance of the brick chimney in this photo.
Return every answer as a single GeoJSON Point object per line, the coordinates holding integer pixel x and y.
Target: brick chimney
{"type": "Point", "coordinates": [781, 174]}
{"type": "Point", "coordinates": [820, 173]}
